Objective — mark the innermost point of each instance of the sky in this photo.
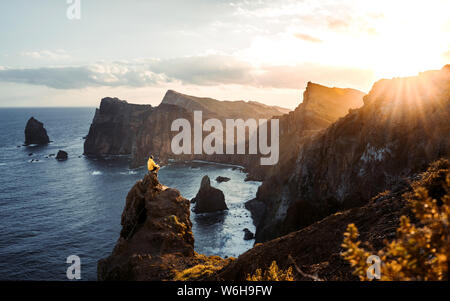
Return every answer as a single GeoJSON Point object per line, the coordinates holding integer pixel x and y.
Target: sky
{"type": "Point", "coordinates": [256, 50]}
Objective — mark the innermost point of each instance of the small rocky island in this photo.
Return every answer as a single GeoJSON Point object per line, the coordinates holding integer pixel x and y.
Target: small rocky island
{"type": "Point", "coordinates": [62, 156]}
{"type": "Point", "coordinates": [221, 179]}
{"type": "Point", "coordinates": [35, 133]}
{"type": "Point", "coordinates": [208, 198]}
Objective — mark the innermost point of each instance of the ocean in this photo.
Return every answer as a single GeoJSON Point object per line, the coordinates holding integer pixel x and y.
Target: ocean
{"type": "Point", "coordinates": [50, 210]}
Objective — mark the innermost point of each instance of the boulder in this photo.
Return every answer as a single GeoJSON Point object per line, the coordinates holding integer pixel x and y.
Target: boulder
{"type": "Point", "coordinates": [35, 133]}
{"type": "Point", "coordinates": [208, 198]}
{"type": "Point", "coordinates": [221, 179]}
{"type": "Point", "coordinates": [248, 234]}
{"type": "Point", "coordinates": [62, 156]}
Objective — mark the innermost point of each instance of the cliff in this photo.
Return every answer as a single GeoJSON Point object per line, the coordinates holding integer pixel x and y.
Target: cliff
{"type": "Point", "coordinates": [120, 128]}
{"type": "Point", "coordinates": [156, 240]}
{"type": "Point", "coordinates": [321, 106]}
{"type": "Point", "coordinates": [114, 127]}
{"type": "Point", "coordinates": [402, 127]}
{"type": "Point", "coordinates": [316, 249]}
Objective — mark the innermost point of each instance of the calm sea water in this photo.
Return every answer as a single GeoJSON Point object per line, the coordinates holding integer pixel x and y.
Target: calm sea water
{"type": "Point", "coordinates": [50, 210]}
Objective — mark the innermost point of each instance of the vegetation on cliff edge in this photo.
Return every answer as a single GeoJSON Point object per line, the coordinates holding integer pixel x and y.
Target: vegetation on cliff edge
{"type": "Point", "coordinates": [421, 249]}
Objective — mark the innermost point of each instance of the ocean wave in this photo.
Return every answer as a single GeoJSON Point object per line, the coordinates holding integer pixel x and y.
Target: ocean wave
{"type": "Point", "coordinates": [34, 161]}
{"type": "Point", "coordinates": [96, 173]}
{"type": "Point", "coordinates": [2, 164]}
{"type": "Point", "coordinates": [129, 172]}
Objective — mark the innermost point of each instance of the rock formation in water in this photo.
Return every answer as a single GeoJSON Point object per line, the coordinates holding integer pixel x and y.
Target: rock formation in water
{"type": "Point", "coordinates": [114, 127]}
{"type": "Point", "coordinates": [248, 235]}
{"type": "Point", "coordinates": [208, 198]}
{"type": "Point", "coordinates": [402, 127]}
{"type": "Point", "coordinates": [35, 133]}
{"type": "Point", "coordinates": [221, 179]}
{"type": "Point", "coordinates": [156, 240]}
{"type": "Point", "coordinates": [62, 155]}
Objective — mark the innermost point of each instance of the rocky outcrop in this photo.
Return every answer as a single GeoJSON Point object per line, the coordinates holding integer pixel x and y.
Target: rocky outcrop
{"type": "Point", "coordinates": [402, 127]}
{"type": "Point", "coordinates": [208, 198]}
{"type": "Point", "coordinates": [248, 235]}
{"type": "Point", "coordinates": [62, 155]}
{"type": "Point", "coordinates": [114, 127]}
{"type": "Point", "coordinates": [35, 133]}
{"type": "Point", "coordinates": [316, 249]}
{"type": "Point", "coordinates": [221, 179]}
{"type": "Point", "coordinates": [156, 240]}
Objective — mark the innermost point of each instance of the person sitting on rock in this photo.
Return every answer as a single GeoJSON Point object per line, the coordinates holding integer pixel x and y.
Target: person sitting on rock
{"type": "Point", "coordinates": [152, 166]}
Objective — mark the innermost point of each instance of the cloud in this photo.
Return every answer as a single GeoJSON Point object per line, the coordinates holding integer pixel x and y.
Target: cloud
{"type": "Point", "coordinates": [208, 70]}
{"type": "Point", "coordinates": [47, 55]}
{"type": "Point", "coordinates": [81, 77]}
{"type": "Point", "coordinates": [205, 70]}
{"type": "Point", "coordinates": [445, 55]}
{"type": "Point", "coordinates": [295, 77]}
{"type": "Point", "coordinates": [307, 38]}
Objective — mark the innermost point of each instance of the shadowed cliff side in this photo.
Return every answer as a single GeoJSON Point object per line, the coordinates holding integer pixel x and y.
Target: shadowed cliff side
{"type": "Point", "coordinates": [321, 106]}
{"type": "Point", "coordinates": [317, 249]}
{"type": "Point", "coordinates": [402, 127]}
{"type": "Point", "coordinates": [117, 123]}
{"type": "Point", "coordinates": [114, 127]}
{"type": "Point", "coordinates": [156, 241]}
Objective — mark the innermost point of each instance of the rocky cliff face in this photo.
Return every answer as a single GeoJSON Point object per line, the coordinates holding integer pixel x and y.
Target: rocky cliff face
{"type": "Point", "coordinates": [316, 249]}
{"type": "Point", "coordinates": [114, 127]}
{"type": "Point", "coordinates": [223, 109]}
{"type": "Point", "coordinates": [35, 133]}
{"type": "Point", "coordinates": [120, 128]}
{"type": "Point", "coordinates": [156, 240]}
{"type": "Point", "coordinates": [321, 106]}
{"type": "Point", "coordinates": [402, 127]}
{"type": "Point", "coordinates": [157, 139]}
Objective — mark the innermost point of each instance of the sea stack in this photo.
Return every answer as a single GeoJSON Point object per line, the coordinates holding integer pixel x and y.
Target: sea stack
{"type": "Point", "coordinates": [208, 198]}
{"type": "Point", "coordinates": [35, 133]}
{"type": "Point", "coordinates": [62, 156]}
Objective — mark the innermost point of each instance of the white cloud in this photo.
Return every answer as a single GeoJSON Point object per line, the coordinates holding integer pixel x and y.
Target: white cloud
{"type": "Point", "coordinates": [207, 70]}
{"type": "Point", "coordinates": [56, 55]}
